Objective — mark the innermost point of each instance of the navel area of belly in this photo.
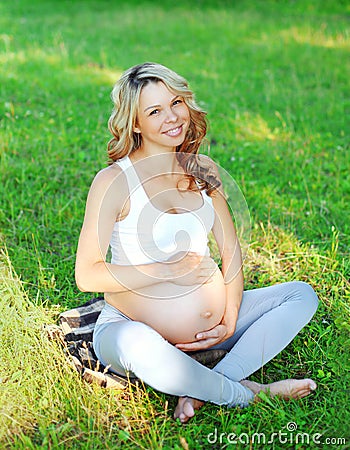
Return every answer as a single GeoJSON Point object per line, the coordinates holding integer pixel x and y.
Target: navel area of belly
{"type": "Point", "coordinates": [206, 314]}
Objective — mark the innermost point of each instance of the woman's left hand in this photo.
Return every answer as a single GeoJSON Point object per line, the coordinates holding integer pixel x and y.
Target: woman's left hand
{"type": "Point", "coordinates": [206, 339]}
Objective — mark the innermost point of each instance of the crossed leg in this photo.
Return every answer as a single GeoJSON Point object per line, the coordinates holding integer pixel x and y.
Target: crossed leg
{"type": "Point", "coordinates": [287, 389]}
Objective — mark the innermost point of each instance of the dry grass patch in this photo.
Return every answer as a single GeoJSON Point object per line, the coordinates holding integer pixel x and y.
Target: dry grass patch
{"type": "Point", "coordinates": [42, 399]}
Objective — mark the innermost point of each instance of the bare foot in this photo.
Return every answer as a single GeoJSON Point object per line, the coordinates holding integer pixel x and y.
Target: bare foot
{"type": "Point", "coordinates": [185, 408]}
{"type": "Point", "coordinates": [286, 389]}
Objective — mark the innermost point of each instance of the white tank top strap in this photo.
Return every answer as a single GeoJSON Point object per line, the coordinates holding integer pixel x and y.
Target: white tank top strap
{"type": "Point", "coordinates": [137, 194]}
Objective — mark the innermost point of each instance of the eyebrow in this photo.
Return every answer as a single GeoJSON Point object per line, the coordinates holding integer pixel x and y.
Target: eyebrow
{"type": "Point", "coordinates": [157, 106]}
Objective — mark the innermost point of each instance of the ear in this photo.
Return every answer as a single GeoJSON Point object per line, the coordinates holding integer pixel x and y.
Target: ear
{"type": "Point", "coordinates": [137, 129]}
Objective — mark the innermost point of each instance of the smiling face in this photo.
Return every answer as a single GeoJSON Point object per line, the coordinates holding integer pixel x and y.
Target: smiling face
{"type": "Point", "coordinates": [163, 118]}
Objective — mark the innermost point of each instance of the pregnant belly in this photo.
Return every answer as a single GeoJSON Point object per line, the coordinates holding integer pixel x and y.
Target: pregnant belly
{"type": "Point", "coordinates": [178, 313]}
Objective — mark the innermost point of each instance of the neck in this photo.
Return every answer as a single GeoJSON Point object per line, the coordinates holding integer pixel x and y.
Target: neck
{"type": "Point", "coordinates": [158, 162]}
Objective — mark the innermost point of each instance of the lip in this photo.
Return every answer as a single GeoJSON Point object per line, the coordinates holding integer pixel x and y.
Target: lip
{"type": "Point", "coordinates": [174, 132]}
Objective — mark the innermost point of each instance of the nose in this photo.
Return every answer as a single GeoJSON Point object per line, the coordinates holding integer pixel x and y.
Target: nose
{"type": "Point", "coordinates": [170, 116]}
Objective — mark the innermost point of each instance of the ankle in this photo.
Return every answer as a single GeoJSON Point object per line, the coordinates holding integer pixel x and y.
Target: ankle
{"type": "Point", "coordinates": [253, 386]}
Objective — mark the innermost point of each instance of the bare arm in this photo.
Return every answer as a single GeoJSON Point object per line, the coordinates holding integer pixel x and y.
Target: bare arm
{"type": "Point", "coordinates": [231, 256]}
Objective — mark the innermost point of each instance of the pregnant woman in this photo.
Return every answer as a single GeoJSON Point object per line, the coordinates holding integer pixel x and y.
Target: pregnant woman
{"type": "Point", "coordinates": [154, 206]}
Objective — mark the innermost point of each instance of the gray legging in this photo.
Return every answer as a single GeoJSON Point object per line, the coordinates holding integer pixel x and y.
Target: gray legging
{"type": "Point", "coordinates": [269, 318]}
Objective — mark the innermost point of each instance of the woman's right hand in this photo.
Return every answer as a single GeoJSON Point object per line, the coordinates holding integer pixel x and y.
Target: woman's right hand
{"type": "Point", "coordinates": [190, 268]}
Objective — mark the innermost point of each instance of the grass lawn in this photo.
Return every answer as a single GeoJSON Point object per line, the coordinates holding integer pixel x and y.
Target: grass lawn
{"type": "Point", "coordinates": [274, 78]}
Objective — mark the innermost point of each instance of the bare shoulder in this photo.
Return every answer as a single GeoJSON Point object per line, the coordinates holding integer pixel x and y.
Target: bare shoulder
{"type": "Point", "coordinates": [208, 162]}
{"type": "Point", "coordinates": [109, 188]}
{"type": "Point", "coordinates": [212, 170]}
{"type": "Point", "coordinates": [110, 176]}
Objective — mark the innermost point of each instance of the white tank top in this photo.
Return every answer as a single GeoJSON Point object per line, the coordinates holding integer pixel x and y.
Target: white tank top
{"type": "Point", "coordinates": [147, 235]}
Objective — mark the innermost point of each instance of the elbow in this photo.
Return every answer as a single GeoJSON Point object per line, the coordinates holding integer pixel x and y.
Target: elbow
{"type": "Point", "coordinates": [82, 288]}
{"type": "Point", "coordinates": [81, 284]}
{"type": "Point", "coordinates": [84, 281]}
{"type": "Point", "coordinates": [88, 277]}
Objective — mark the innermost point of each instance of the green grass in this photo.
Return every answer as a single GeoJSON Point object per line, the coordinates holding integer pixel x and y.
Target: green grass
{"type": "Point", "coordinates": [273, 77]}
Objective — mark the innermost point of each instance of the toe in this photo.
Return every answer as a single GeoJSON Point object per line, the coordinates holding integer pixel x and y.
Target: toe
{"type": "Point", "coordinates": [300, 394]}
{"type": "Point", "coordinates": [188, 409]}
{"type": "Point", "coordinates": [312, 385]}
{"type": "Point", "coordinates": [304, 393]}
{"type": "Point", "coordinates": [182, 417]}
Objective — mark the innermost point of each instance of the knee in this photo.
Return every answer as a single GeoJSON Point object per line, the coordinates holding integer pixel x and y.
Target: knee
{"type": "Point", "coordinates": [139, 341]}
{"type": "Point", "coordinates": [137, 333]}
{"type": "Point", "coordinates": [307, 295]}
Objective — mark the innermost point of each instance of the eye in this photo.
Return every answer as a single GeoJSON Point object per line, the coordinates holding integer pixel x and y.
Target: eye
{"type": "Point", "coordinates": [153, 112]}
{"type": "Point", "coordinates": [177, 101]}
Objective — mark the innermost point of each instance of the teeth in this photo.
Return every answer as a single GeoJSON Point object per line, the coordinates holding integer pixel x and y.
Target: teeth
{"type": "Point", "coordinates": [175, 131]}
